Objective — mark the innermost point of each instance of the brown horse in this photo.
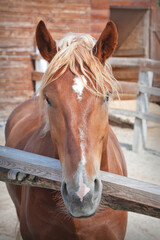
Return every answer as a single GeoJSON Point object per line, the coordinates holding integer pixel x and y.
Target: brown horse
{"type": "Point", "coordinates": [71, 124]}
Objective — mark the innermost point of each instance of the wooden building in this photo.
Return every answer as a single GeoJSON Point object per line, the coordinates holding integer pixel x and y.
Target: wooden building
{"type": "Point", "coordinates": [137, 22]}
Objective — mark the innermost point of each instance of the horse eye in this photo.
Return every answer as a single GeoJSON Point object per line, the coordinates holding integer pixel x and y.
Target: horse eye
{"type": "Point", "coordinates": [48, 101]}
{"type": "Point", "coordinates": [107, 98]}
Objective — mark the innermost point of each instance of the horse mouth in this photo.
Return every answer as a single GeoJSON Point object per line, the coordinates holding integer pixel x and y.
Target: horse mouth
{"type": "Point", "coordinates": [82, 216]}
{"type": "Point", "coordinates": [82, 211]}
{"type": "Point", "coordinates": [86, 209]}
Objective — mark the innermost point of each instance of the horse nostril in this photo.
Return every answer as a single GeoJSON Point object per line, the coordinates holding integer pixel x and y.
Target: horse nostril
{"type": "Point", "coordinates": [64, 189]}
{"type": "Point", "coordinates": [96, 185]}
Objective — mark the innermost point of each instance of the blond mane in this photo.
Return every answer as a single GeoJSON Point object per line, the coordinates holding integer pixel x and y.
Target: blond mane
{"type": "Point", "coordinates": [76, 49]}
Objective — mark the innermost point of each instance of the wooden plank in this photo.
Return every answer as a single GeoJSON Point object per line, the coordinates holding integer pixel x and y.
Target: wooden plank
{"type": "Point", "coordinates": [128, 194]}
{"type": "Point", "coordinates": [118, 192]}
{"type": "Point", "coordinates": [32, 164]}
{"type": "Point", "coordinates": [36, 76]}
{"type": "Point", "coordinates": [124, 62]}
{"type": "Point", "coordinates": [128, 74]}
{"type": "Point", "coordinates": [30, 180]}
{"type": "Point", "coordinates": [130, 52]}
{"type": "Point", "coordinates": [138, 122]}
{"type": "Point", "coordinates": [148, 116]}
{"type": "Point", "coordinates": [123, 86]}
{"type": "Point", "coordinates": [127, 87]}
{"type": "Point", "coordinates": [97, 14]}
{"type": "Point", "coordinates": [155, 99]}
{"type": "Point", "coordinates": [36, 56]}
{"type": "Point", "coordinates": [137, 134]}
{"type": "Point", "coordinates": [144, 64]}
{"type": "Point", "coordinates": [150, 65]}
{"type": "Point", "coordinates": [135, 88]}
{"type": "Point", "coordinates": [128, 96]}
{"type": "Point", "coordinates": [140, 125]}
{"type": "Point", "coordinates": [149, 90]}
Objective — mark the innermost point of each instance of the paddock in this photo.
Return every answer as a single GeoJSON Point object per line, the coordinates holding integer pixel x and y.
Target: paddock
{"type": "Point", "coordinates": [144, 166]}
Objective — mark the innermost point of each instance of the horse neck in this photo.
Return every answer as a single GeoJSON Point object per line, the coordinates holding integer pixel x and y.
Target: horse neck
{"type": "Point", "coordinates": [112, 157]}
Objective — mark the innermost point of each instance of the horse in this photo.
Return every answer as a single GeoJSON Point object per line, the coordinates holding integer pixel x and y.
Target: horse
{"type": "Point", "coordinates": [69, 121]}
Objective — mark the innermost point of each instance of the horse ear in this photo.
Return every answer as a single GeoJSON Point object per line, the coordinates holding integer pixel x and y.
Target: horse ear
{"type": "Point", "coordinates": [45, 42]}
{"type": "Point", "coordinates": [106, 43]}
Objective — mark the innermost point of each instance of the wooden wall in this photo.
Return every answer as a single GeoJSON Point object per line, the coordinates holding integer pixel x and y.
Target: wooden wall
{"type": "Point", "coordinates": [100, 11]}
{"type": "Point", "coordinates": [144, 37]}
{"type": "Point", "coordinates": [18, 20]}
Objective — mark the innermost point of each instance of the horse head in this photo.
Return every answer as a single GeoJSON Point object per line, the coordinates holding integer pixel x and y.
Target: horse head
{"type": "Point", "coordinates": [75, 92]}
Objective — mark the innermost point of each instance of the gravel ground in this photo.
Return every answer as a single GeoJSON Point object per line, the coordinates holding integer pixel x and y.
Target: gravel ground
{"type": "Point", "coordinates": [143, 166]}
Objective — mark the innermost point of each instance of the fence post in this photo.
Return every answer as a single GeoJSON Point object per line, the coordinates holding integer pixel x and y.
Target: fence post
{"type": "Point", "coordinates": [140, 125]}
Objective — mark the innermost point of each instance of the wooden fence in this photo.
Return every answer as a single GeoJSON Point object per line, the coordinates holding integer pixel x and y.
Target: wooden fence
{"type": "Point", "coordinates": [143, 90]}
{"type": "Point", "coordinates": [119, 192]}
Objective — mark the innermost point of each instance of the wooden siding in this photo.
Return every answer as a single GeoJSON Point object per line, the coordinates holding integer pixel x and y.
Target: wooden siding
{"type": "Point", "coordinates": [18, 20]}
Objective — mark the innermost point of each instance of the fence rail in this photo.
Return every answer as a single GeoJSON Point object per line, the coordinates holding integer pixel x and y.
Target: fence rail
{"type": "Point", "coordinates": [142, 116]}
{"type": "Point", "coordinates": [143, 90]}
{"type": "Point", "coordinates": [144, 64]}
{"type": "Point", "coordinates": [135, 88]}
{"type": "Point", "coordinates": [119, 192]}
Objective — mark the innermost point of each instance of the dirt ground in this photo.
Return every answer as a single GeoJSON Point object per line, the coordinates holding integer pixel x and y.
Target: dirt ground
{"type": "Point", "coordinates": [144, 165]}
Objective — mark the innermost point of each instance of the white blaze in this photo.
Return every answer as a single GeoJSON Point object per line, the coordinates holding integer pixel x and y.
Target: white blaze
{"type": "Point", "coordinates": [83, 189]}
{"type": "Point", "coordinates": [78, 86]}
{"type": "Point", "coordinates": [82, 145]}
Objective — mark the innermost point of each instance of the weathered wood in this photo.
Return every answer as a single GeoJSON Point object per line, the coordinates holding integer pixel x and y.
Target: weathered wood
{"type": "Point", "coordinates": [123, 87]}
{"type": "Point", "coordinates": [128, 74]}
{"type": "Point", "coordinates": [150, 65]}
{"type": "Point", "coordinates": [118, 192]}
{"type": "Point", "coordinates": [30, 163]}
{"type": "Point", "coordinates": [135, 88]}
{"type": "Point", "coordinates": [36, 76]}
{"type": "Point", "coordinates": [130, 52]}
{"type": "Point", "coordinates": [137, 134]}
{"type": "Point", "coordinates": [17, 36]}
{"type": "Point", "coordinates": [140, 125]}
{"type": "Point", "coordinates": [128, 96]}
{"type": "Point", "coordinates": [145, 80]}
{"type": "Point", "coordinates": [143, 63]}
{"type": "Point", "coordinates": [149, 117]}
{"type": "Point", "coordinates": [127, 87]}
{"type": "Point", "coordinates": [131, 195]}
{"type": "Point", "coordinates": [36, 56]}
{"type": "Point", "coordinates": [28, 181]}
{"type": "Point", "coordinates": [149, 90]}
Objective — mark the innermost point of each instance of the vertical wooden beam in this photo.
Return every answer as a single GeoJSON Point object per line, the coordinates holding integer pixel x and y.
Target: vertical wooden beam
{"type": "Point", "coordinates": [145, 80]}
{"type": "Point", "coordinates": [140, 126]}
{"type": "Point", "coordinates": [40, 66]}
{"type": "Point", "coordinates": [137, 126]}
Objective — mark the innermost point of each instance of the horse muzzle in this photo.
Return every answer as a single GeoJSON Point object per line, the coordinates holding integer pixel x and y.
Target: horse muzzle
{"type": "Point", "coordinates": [81, 198]}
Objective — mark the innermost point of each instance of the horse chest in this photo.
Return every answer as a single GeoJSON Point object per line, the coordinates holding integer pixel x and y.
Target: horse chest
{"type": "Point", "coordinates": [45, 218]}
